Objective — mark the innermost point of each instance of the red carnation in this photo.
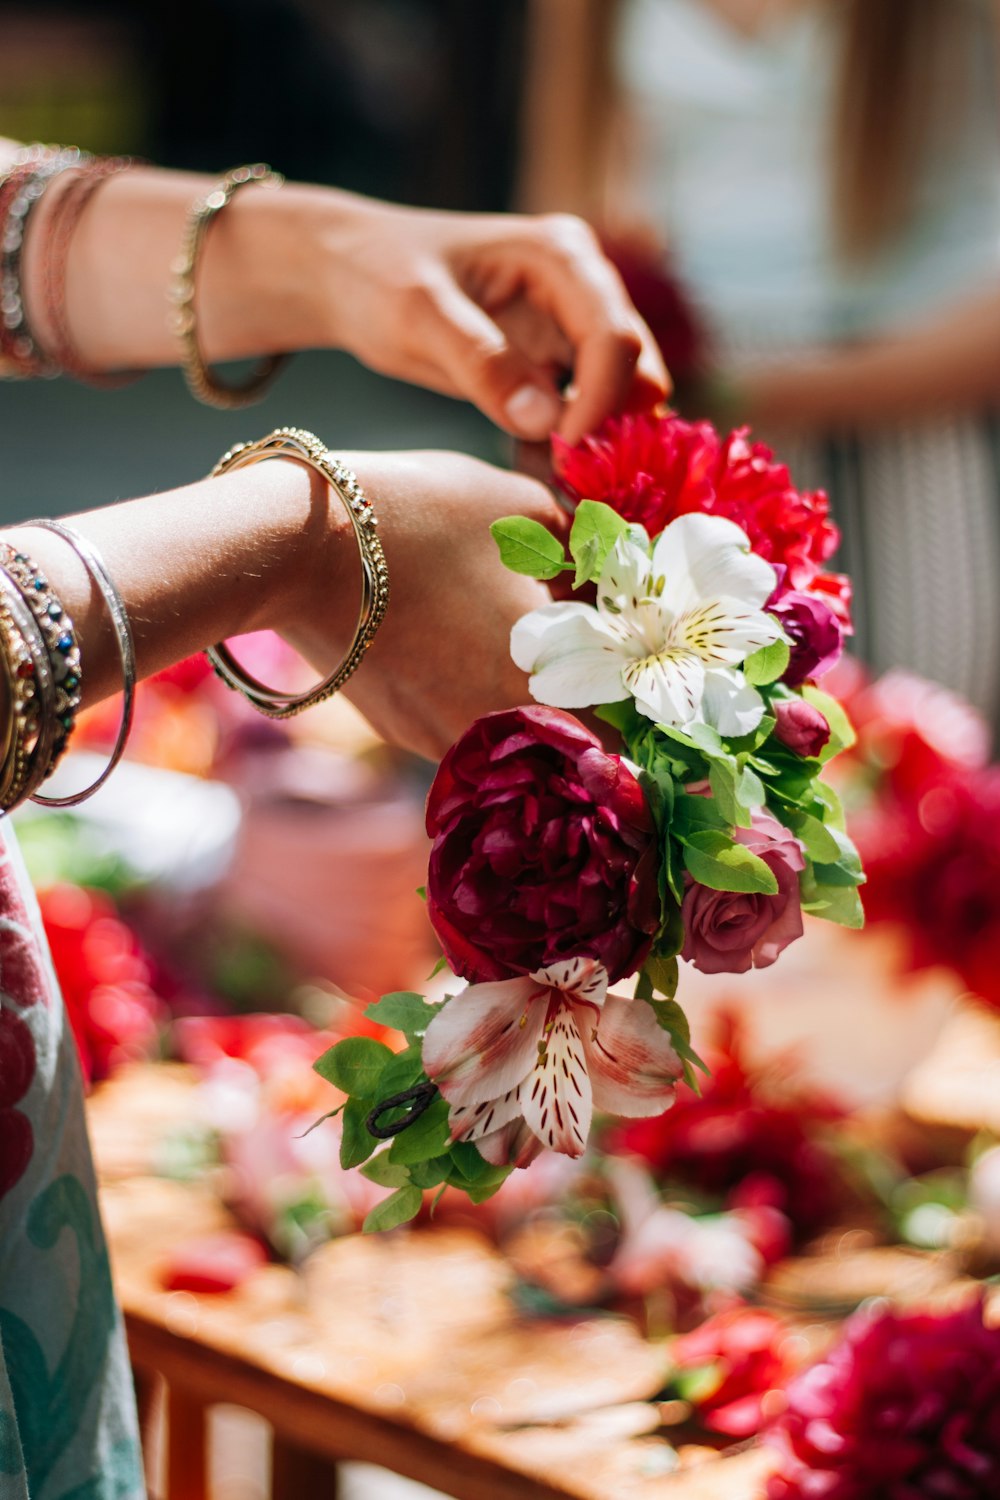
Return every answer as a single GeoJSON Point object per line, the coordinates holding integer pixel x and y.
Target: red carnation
{"type": "Point", "coordinates": [735, 1358]}
{"type": "Point", "coordinates": [544, 849]}
{"type": "Point", "coordinates": [906, 1404]}
{"type": "Point", "coordinates": [652, 469]}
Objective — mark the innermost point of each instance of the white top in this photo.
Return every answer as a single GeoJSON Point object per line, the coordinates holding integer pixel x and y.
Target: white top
{"type": "Point", "coordinates": [733, 146]}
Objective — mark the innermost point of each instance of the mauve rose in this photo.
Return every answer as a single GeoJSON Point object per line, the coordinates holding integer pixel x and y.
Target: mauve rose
{"type": "Point", "coordinates": [800, 726]}
{"type": "Point", "coordinates": [728, 932]}
{"type": "Point", "coordinates": [544, 848]}
{"type": "Point", "coordinates": [816, 636]}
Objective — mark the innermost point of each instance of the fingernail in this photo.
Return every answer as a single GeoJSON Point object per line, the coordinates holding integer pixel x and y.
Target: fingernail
{"type": "Point", "coordinates": [533, 412]}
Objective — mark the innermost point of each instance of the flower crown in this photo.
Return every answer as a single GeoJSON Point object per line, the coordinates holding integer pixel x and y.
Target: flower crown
{"type": "Point", "coordinates": [559, 869]}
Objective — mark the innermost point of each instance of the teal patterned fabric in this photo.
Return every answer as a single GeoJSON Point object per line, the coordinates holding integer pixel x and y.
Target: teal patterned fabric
{"type": "Point", "coordinates": [68, 1428]}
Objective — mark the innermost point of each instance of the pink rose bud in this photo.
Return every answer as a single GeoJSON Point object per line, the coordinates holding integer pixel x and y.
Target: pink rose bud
{"type": "Point", "coordinates": [800, 726]}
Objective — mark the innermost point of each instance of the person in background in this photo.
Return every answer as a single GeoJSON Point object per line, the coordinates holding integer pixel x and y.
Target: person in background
{"type": "Point", "coordinates": [825, 177]}
{"type": "Point", "coordinates": [491, 308]}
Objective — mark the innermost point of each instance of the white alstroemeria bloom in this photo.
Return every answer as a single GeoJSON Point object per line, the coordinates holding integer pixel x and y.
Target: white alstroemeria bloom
{"type": "Point", "coordinates": [524, 1062]}
{"type": "Point", "coordinates": [669, 630]}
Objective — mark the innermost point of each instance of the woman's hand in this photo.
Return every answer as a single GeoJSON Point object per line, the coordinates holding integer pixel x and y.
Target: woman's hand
{"type": "Point", "coordinates": [442, 656]}
{"type": "Point", "coordinates": [498, 308]}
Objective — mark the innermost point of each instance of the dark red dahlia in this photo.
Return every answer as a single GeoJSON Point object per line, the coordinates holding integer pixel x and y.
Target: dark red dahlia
{"type": "Point", "coordinates": [906, 1405]}
{"type": "Point", "coordinates": [544, 849]}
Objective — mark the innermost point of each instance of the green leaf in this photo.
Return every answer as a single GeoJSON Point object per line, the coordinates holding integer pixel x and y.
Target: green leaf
{"type": "Point", "coordinates": [356, 1145]}
{"type": "Point", "coordinates": [385, 1172]}
{"type": "Point", "coordinates": [401, 1206]}
{"type": "Point", "coordinates": [527, 547]}
{"type": "Point", "coordinates": [624, 717]}
{"type": "Point", "coordinates": [674, 1022]}
{"type": "Point", "coordinates": [426, 1137]}
{"type": "Point", "coordinates": [725, 781]}
{"type": "Point", "coordinates": [842, 735]}
{"type": "Point", "coordinates": [833, 817]}
{"type": "Point", "coordinates": [834, 903]}
{"type": "Point", "coordinates": [767, 665]}
{"type": "Point", "coordinates": [713, 859]}
{"type": "Point", "coordinates": [430, 1173]}
{"type": "Point", "coordinates": [438, 968]}
{"type": "Point", "coordinates": [355, 1065]}
{"type": "Point", "coordinates": [478, 1192]}
{"type": "Point", "coordinates": [422, 892]}
{"type": "Point", "coordinates": [331, 1114]}
{"type": "Point", "coordinates": [596, 528]}
{"type": "Point", "coordinates": [698, 1383]}
{"type": "Point", "coordinates": [405, 1010]}
{"type": "Point", "coordinates": [693, 814]}
{"type": "Point", "coordinates": [405, 1070]}
{"type": "Point", "coordinates": [819, 842]}
{"type": "Point", "coordinates": [662, 974]}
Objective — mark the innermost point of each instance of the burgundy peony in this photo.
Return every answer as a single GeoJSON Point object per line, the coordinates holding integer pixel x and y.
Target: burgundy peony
{"type": "Point", "coordinates": [729, 932]}
{"type": "Point", "coordinates": [736, 1357]}
{"type": "Point", "coordinates": [815, 634]}
{"type": "Point", "coordinates": [800, 726]}
{"type": "Point", "coordinates": [544, 849]}
{"type": "Point", "coordinates": [906, 1404]}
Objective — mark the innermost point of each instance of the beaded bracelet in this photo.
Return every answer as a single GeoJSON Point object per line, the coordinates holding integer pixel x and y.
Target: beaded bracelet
{"type": "Point", "coordinates": [200, 381]}
{"type": "Point", "coordinates": [59, 638]}
{"type": "Point", "coordinates": [32, 693]}
{"type": "Point", "coordinates": [295, 443]}
{"type": "Point", "coordinates": [24, 185]}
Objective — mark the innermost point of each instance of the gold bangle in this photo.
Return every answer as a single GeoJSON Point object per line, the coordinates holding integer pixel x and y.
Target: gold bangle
{"type": "Point", "coordinates": [304, 447]}
{"type": "Point", "coordinates": [202, 384]}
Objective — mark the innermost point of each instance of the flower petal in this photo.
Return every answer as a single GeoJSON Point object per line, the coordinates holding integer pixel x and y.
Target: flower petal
{"type": "Point", "coordinates": [512, 1145]}
{"type": "Point", "coordinates": [483, 1041]}
{"type": "Point", "coordinates": [723, 632]}
{"type": "Point", "coordinates": [729, 703]}
{"type": "Point", "coordinates": [470, 1122]}
{"type": "Point", "coordinates": [574, 655]}
{"type": "Point", "coordinates": [668, 687]}
{"type": "Point", "coordinates": [624, 580]}
{"type": "Point", "coordinates": [556, 1098]}
{"type": "Point", "coordinates": [581, 978]}
{"type": "Point", "coordinates": [632, 1066]}
{"type": "Point", "coordinates": [702, 556]}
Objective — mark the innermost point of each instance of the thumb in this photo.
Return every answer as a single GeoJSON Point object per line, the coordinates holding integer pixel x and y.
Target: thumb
{"type": "Point", "coordinates": [473, 353]}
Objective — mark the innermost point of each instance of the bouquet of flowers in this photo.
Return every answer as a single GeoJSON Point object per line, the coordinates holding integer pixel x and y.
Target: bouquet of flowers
{"type": "Point", "coordinates": [560, 868]}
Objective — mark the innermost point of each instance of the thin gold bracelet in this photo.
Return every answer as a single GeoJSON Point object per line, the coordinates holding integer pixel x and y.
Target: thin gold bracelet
{"type": "Point", "coordinates": [202, 384]}
{"type": "Point", "coordinates": [306, 448]}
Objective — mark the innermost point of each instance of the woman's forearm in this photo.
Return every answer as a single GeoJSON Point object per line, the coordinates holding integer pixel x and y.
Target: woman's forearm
{"type": "Point", "coordinates": [258, 283]}
{"type": "Point", "coordinates": [949, 363]}
{"type": "Point", "coordinates": [218, 558]}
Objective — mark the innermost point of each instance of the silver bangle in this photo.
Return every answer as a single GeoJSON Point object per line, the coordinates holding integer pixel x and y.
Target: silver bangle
{"type": "Point", "coordinates": [94, 564]}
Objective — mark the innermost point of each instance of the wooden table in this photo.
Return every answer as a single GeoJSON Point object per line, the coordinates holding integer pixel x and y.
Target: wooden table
{"type": "Point", "coordinates": [402, 1350]}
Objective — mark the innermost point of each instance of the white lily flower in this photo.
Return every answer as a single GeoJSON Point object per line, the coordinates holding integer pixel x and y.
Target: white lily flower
{"type": "Point", "coordinates": [669, 630]}
{"type": "Point", "coordinates": [524, 1062]}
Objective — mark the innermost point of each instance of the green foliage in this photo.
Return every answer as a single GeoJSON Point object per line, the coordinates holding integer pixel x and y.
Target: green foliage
{"type": "Point", "coordinates": [405, 1010]}
{"type": "Point", "coordinates": [527, 547]}
{"type": "Point", "coordinates": [401, 1206]}
{"type": "Point", "coordinates": [354, 1065]}
{"type": "Point", "coordinates": [596, 529]}
{"type": "Point", "coordinates": [713, 859]}
{"type": "Point", "coordinates": [356, 1145]}
{"type": "Point", "coordinates": [767, 665]}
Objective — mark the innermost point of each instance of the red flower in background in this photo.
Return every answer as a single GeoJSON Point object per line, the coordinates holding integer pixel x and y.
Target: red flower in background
{"type": "Point", "coordinates": [651, 469]}
{"type": "Point", "coordinates": [906, 1404]}
{"type": "Point", "coordinates": [929, 830]}
{"type": "Point", "coordinates": [753, 1144]}
{"type": "Point", "coordinates": [104, 976]}
{"type": "Point", "coordinates": [735, 1358]}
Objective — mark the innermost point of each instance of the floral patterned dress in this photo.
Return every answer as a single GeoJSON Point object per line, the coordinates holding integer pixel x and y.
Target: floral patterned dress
{"type": "Point", "coordinates": [68, 1428]}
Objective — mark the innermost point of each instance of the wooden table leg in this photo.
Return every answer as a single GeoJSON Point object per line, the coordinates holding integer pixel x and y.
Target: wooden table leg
{"type": "Point", "coordinates": [298, 1474]}
{"type": "Point", "coordinates": [187, 1446]}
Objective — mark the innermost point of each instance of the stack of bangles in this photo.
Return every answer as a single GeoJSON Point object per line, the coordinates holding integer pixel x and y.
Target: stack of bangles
{"type": "Point", "coordinates": [40, 656]}
{"type": "Point", "coordinates": [75, 175]}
